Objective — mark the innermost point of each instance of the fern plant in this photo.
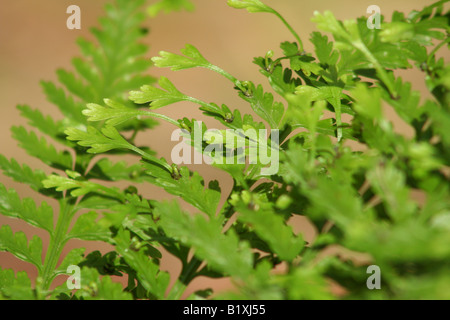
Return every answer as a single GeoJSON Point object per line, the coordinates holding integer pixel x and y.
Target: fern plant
{"type": "Point", "coordinates": [358, 200]}
{"type": "Point", "coordinates": [110, 69]}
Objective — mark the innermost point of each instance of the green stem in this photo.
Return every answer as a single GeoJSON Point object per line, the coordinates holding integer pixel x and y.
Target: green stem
{"type": "Point", "coordinates": [187, 274]}
{"type": "Point", "coordinates": [380, 70]}
{"type": "Point", "coordinates": [149, 157]}
{"type": "Point", "coordinates": [436, 49]}
{"type": "Point", "coordinates": [222, 72]}
{"type": "Point", "coordinates": [57, 241]}
{"type": "Point", "coordinates": [133, 136]}
{"type": "Point", "coordinates": [313, 137]}
{"type": "Point", "coordinates": [205, 105]}
{"type": "Point", "coordinates": [160, 116]}
{"type": "Point", "coordinates": [336, 102]}
{"type": "Point", "coordinates": [300, 43]}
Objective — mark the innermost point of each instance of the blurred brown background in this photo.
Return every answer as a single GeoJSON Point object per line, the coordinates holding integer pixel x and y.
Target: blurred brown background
{"type": "Point", "coordinates": [34, 42]}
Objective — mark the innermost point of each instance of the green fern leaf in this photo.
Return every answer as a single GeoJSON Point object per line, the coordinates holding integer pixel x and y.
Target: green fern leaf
{"type": "Point", "coordinates": [41, 149]}
{"type": "Point", "coordinates": [12, 206]}
{"type": "Point", "coordinates": [18, 245]}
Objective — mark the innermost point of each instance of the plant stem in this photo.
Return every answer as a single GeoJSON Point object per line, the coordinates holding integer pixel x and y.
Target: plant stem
{"type": "Point", "coordinates": [57, 241]}
{"type": "Point", "coordinates": [187, 274]}
{"type": "Point", "coordinates": [222, 72]}
{"type": "Point", "coordinates": [133, 136]}
{"type": "Point", "coordinates": [160, 116]}
{"type": "Point", "coordinates": [205, 105]}
{"type": "Point", "coordinates": [435, 49]}
{"type": "Point", "coordinates": [300, 43]}
{"type": "Point", "coordinates": [380, 70]}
